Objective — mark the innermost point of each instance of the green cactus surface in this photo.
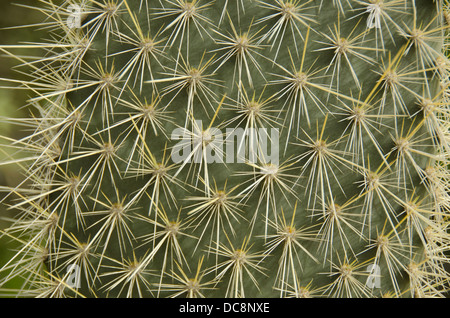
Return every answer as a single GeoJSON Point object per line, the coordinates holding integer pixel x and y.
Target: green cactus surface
{"type": "Point", "coordinates": [273, 148]}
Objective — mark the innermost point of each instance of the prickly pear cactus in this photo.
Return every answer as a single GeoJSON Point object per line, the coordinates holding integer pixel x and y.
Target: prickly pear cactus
{"type": "Point", "coordinates": [278, 148]}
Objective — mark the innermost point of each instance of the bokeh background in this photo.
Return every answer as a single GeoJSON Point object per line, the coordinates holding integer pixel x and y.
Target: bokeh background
{"type": "Point", "coordinates": [13, 14]}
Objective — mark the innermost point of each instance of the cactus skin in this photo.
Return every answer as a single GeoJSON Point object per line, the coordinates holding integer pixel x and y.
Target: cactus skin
{"type": "Point", "coordinates": [359, 95]}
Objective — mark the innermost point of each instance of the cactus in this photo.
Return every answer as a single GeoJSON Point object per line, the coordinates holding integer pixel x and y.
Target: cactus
{"type": "Point", "coordinates": [278, 148]}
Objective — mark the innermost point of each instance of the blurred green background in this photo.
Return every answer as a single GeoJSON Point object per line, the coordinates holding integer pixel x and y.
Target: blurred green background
{"type": "Point", "coordinates": [13, 13]}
